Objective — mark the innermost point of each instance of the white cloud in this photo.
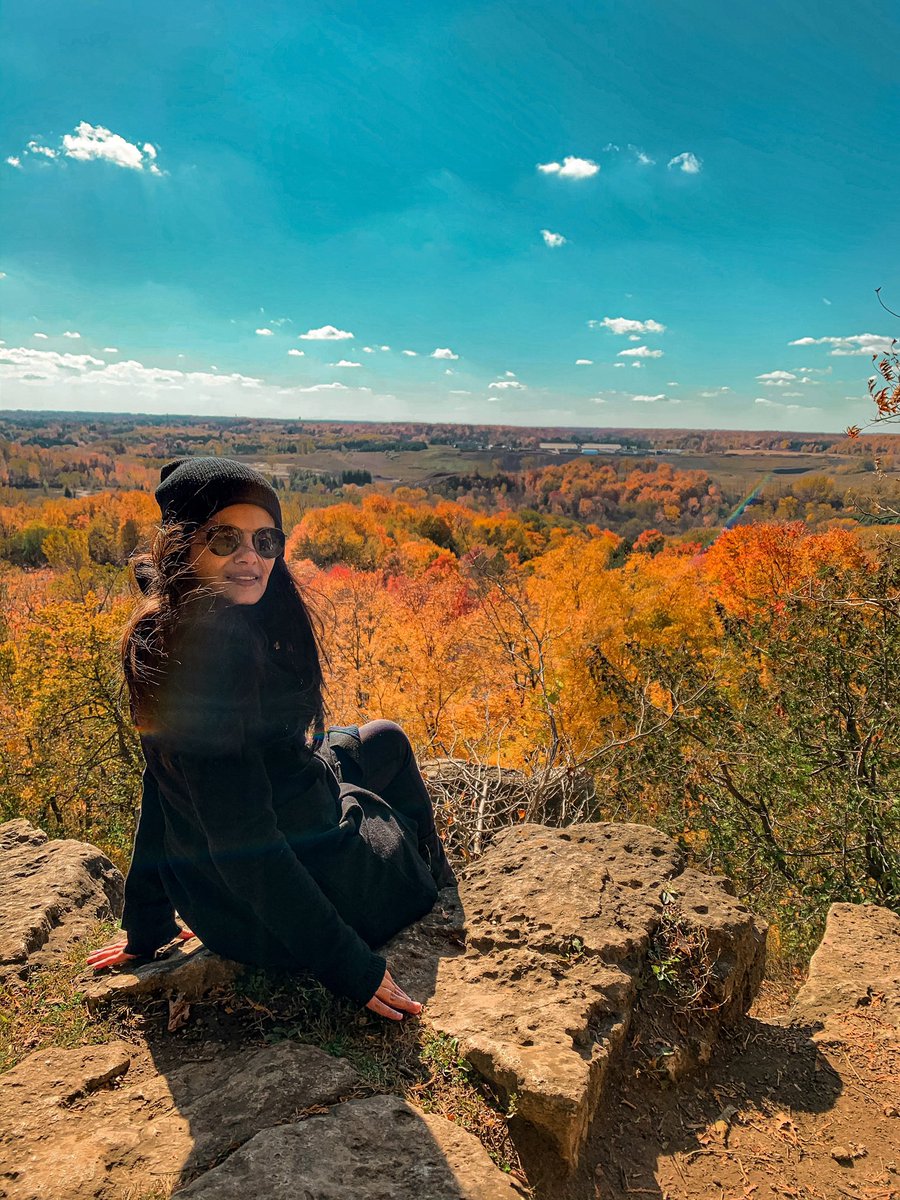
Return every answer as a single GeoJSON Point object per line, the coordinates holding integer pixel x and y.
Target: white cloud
{"type": "Point", "coordinates": [409, 353]}
{"type": "Point", "coordinates": [687, 162]}
{"type": "Point", "coordinates": [571, 167]}
{"type": "Point", "coordinates": [672, 383]}
{"type": "Point", "coordinates": [640, 352]}
{"type": "Point", "coordinates": [643, 160]}
{"type": "Point", "coordinates": [622, 325]}
{"type": "Point", "coordinates": [324, 387]}
{"type": "Point", "coordinates": [720, 391]}
{"type": "Point", "coordinates": [34, 147]}
{"type": "Point", "coordinates": [826, 301]}
{"type": "Point", "coordinates": [297, 353]}
{"type": "Point", "coordinates": [509, 374]}
{"type": "Point", "coordinates": [93, 143]}
{"type": "Point", "coordinates": [637, 365]}
{"type": "Point", "coordinates": [584, 362]}
{"type": "Point", "coordinates": [552, 239]}
{"type": "Point", "coordinates": [618, 364]}
{"type": "Point", "coordinates": [14, 160]}
{"type": "Point", "coordinates": [856, 343]}
{"type": "Point", "coordinates": [598, 400]}
{"type": "Point", "coordinates": [20, 361]}
{"type": "Point", "coordinates": [368, 349]}
{"type": "Point", "coordinates": [70, 333]}
{"type": "Point", "coordinates": [384, 347]}
{"type": "Point", "coordinates": [264, 333]}
{"type": "Point", "coordinates": [327, 333]}
{"type": "Point", "coordinates": [785, 407]}
{"type": "Point", "coordinates": [443, 352]}
{"type": "Point", "coordinates": [459, 393]}
{"type": "Point", "coordinates": [777, 378]}
{"type": "Point", "coordinates": [107, 349]}
{"type": "Point", "coordinates": [634, 337]}
{"type": "Point", "coordinates": [345, 362]}
{"type": "Point", "coordinates": [501, 384]}
{"type": "Point", "coordinates": [42, 336]}
{"type": "Point", "coordinates": [649, 399]}
{"type": "Point", "coordinates": [449, 371]}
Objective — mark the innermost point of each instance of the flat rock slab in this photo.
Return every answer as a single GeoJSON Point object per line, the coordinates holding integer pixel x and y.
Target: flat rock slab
{"type": "Point", "coordinates": [189, 969]}
{"type": "Point", "coordinates": [75, 1126]}
{"type": "Point", "coordinates": [51, 892]}
{"type": "Point", "coordinates": [535, 970]}
{"type": "Point", "coordinates": [377, 1149]}
{"type": "Point", "coordinates": [856, 965]}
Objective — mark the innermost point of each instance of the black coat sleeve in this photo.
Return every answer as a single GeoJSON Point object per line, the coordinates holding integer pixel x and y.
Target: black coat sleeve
{"type": "Point", "coordinates": [148, 916]}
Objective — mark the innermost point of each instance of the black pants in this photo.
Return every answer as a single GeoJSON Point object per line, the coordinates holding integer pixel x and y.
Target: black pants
{"type": "Point", "coordinates": [378, 756]}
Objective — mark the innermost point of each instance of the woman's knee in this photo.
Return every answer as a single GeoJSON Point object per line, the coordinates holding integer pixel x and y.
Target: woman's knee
{"type": "Point", "coordinates": [384, 746]}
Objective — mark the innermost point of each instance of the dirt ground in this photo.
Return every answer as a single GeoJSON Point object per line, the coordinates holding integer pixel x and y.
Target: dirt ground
{"type": "Point", "coordinates": [783, 1111]}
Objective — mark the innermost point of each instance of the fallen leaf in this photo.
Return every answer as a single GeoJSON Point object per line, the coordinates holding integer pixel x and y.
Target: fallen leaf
{"type": "Point", "coordinates": [179, 1012]}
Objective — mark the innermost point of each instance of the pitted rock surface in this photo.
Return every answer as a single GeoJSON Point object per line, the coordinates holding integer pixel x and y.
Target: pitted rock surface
{"type": "Point", "coordinates": [369, 1149]}
{"type": "Point", "coordinates": [189, 970]}
{"type": "Point", "coordinates": [51, 892]}
{"type": "Point", "coordinates": [76, 1124]}
{"type": "Point", "coordinates": [856, 966]}
{"type": "Point", "coordinates": [537, 974]}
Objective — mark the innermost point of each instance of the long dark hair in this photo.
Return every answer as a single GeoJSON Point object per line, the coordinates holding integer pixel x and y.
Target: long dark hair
{"type": "Point", "coordinates": [169, 593]}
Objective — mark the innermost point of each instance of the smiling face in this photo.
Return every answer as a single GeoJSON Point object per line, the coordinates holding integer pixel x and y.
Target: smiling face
{"type": "Point", "coordinates": [241, 577]}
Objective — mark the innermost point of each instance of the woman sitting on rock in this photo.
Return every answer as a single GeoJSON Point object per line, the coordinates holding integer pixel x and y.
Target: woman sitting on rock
{"type": "Point", "coordinates": [279, 844]}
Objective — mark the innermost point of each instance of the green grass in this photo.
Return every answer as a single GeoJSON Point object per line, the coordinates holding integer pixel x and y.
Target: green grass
{"type": "Point", "coordinates": [48, 1009]}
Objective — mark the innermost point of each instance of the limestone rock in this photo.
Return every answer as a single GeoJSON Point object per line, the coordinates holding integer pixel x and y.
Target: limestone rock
{"type": "Point", "coordinates": [377, 1149]}
{"type": "Point", "coordinates": [74, 1125]}
{"type": "Point", "coordinates": [856, 964]}
{"type": "Point", "coordinates": [189, 969]}
{"type": "Point", "coordinates": [50, 894]}
{"type": "Point", "coordinates": [539, 978]}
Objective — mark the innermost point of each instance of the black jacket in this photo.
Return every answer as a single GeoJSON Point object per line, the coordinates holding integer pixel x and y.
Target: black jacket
{"type": "Point", "coordinates": [251, 836]}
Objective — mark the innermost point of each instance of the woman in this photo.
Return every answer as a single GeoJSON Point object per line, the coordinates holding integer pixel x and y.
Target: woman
{"type": "Point", "coordinates": [278, 847]}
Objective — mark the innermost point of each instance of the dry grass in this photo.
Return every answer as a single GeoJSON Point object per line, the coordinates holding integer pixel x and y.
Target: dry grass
{"type": "Point", "coordinates": [47, 1009]}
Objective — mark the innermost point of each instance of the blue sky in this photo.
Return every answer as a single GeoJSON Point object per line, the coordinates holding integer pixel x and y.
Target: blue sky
{"type": "Point", "coordinates": [676, 195]}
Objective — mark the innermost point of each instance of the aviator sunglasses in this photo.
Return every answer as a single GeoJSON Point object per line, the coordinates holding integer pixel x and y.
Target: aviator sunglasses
{"type": "Point", "coordinates": [223, 540]}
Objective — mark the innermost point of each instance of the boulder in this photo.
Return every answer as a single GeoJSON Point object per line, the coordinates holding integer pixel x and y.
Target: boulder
{"type": "Point", "coordinates": [92, 1121]}
{"type": "Point", "coordinates": [51, 892]}
{"type": "Point", "coordinates": [856, 965]}
{"type": "Point", "coordinates": [188, 970]}
{"type": "Point", "coordinates": [536, 970]}
{"type": "Point", "coordinates": [381, 1148]}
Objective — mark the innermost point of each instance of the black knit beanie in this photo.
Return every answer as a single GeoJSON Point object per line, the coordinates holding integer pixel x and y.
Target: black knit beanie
{"type": "Point", "coordinates": [191, 490]}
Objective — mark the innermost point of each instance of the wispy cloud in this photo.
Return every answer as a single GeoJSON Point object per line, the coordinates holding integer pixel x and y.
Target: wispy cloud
{"type": "Point", "coordinates": [323, 387]}
{"type": "Point", "coordinates": [623, 325]}
{"type": "Point", "coordinates": [640, 352]}
{"type": "Point", "coordinates": [584, 362]}
{"type": "Point", "coordinates": [571, 167]}
{"type": "Point", "coordinates": [410, 353]}
{"type": "Point", "coordinates": [443, 352]}
{"type": "Point", "coordinates": [720, 391]}
{"type": "Point", "coordinates": [552, 239]}
{"type": "Point", "coordinates": [784, 407]}
{"type": "Point", "coordinates": [500, 385]}
{"type": "Point", "coordinates": [41, 336]}
{"type": "Point", "coordinates": [326, 333]}
{"type": "Point", "coordinates": [297, 353]}
{"type": "Point", "coordinates": [345, 362]}
{"type": "Point", "coordinates": [264, 333]}
{"type": "Point", "coordinates": [14, 161]}
{"type": "Point", "coordinates": [70, 333]}
{"type": "Point", "coordinates": [687, 162]}
{"type": "Point", "coordinates": [855, 343]}
{"type": "Point", "coordinates": [649, 399]}
{"type": "Point", "coordinates": [110, 349]}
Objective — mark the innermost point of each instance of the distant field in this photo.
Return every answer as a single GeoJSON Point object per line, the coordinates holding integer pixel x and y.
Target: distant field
{"type": "Point", "coordinates": [737, 472]}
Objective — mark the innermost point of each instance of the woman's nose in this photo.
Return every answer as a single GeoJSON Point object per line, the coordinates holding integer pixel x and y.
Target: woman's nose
{"type": "Point", "coordinates": [246, 549]}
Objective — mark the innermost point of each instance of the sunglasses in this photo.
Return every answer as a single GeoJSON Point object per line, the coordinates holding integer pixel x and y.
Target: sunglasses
{"type": "Point", "coordinates": [223, 540]}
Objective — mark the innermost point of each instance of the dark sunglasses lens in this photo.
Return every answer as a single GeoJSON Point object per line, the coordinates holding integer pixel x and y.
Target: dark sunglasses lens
{"type": "Point", "coordinates": [269, 543]}
{"type": "Point", "coordinates": [223, 540]}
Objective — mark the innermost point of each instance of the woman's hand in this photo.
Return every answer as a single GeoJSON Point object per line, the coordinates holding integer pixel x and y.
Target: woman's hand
{"type": "Point", "coordinates": [391, 1001]}
{"type": "Point", "coordinates": [114, 954]}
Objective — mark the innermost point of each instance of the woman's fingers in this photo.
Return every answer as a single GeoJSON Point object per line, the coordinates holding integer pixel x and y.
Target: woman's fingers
{"type": "Point", "coordinates": [391, 1001]}
{"type": "Point", "coordinates": [384, 1010]}
{"type": "Point", "coordinates": [113, 946]}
